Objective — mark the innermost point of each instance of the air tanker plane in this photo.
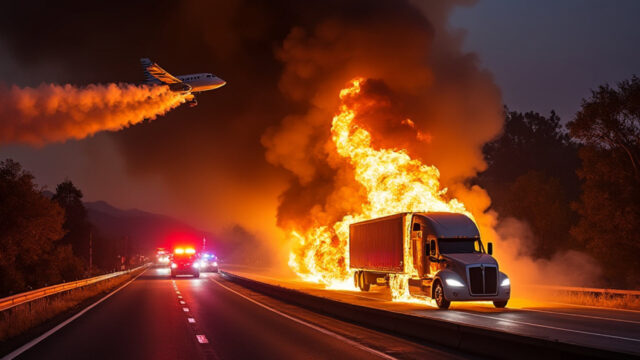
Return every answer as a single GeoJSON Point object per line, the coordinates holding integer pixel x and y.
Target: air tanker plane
{"type": "Point", "coordinates": [188, 84]}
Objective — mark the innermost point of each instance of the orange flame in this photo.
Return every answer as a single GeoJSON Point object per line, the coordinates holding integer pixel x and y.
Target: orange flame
{"type": "Point", "coordinates": [394, 182]}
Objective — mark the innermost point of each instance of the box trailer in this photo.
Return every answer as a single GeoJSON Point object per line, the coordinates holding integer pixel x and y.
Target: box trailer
{"type": "Point", "coordinates": [441, 252]}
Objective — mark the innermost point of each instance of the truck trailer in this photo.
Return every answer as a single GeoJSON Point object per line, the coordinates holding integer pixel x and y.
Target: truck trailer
{"type": "Point", "coordinates": [442, 254]}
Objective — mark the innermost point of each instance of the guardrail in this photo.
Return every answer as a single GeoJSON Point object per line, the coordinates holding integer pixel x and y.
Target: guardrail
{"type": "Point", "coordinates": [25, 297]}
{"type": "Point", "coordinates": [468, 338]}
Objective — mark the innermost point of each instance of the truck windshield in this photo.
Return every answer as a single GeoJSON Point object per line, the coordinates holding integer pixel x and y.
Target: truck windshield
{"type": "Point", "coordinates": [460, 246]}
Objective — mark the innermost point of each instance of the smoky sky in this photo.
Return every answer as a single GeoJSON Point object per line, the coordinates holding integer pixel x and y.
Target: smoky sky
{"type": "Point", "coordinates": [284, 62]}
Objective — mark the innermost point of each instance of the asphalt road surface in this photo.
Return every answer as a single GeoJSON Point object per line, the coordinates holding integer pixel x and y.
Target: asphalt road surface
{"type": "Point", "coordinates": [611, 329]}
{"type": "Point", "coordinates": [155, 317]}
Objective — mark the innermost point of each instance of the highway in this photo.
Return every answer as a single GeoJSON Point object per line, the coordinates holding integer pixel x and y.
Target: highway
{"type": "Point", "coordinates": [155, 317]}
{"type": "Point", "coordinates": [608, 329]}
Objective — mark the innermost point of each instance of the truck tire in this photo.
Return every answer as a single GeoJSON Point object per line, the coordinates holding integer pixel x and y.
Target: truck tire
{"type": "Point", "coordinates": [356, 278]}
{"type": "Point", "coordinates": [500, 304]}
{"type": "Point", "coordinates": [438, 296]}
{"type": "Point", "coordinates": [364, 285]}
{"type": "Point", "coordinates": [196, 275]}
{"type": "Point", "coordinates": [173, 275]}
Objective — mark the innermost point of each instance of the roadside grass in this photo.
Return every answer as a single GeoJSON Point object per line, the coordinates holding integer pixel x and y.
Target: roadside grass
{"type": "Point", "coordinates": [22, 318]}
{"type": "Point", "coordinates": [616, 301]}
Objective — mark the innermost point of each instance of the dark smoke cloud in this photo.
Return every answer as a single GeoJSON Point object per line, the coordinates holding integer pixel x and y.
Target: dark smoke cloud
{"type": "Point", "coordinates": [435, 101]}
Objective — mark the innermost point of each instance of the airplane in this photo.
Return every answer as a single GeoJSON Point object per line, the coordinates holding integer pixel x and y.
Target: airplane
{"type": "Point", "coordinates": [186, 84]}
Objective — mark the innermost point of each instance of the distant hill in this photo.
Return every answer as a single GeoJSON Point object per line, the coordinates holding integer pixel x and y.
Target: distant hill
{"type": "Point", "coordinates": [144, 231]}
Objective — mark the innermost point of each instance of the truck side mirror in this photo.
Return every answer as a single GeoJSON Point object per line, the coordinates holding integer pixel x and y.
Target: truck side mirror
{"type": "Point", "coordinates": [432, 248]}
{"type": "Point", "coordinates": [490, 248]}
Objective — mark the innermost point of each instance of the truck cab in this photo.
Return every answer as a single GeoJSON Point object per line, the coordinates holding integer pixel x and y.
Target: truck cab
{"type": "Point", "coordinates": [453, 263]}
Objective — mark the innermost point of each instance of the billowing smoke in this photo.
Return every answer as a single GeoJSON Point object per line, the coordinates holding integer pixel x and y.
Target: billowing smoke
{"type": "Point", "coordinates": [56, 113]}
{"type": "Point", "coordinates": [421, 72]}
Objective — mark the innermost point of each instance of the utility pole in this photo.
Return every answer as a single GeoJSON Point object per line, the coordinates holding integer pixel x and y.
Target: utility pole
{"type": "Point", "coordinates": [90, 251]}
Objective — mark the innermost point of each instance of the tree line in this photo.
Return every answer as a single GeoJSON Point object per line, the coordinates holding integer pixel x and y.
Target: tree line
{"type": "Point", "coordinates": [577, 185]}
{"type": "Point", "coordinates": [46, 240]}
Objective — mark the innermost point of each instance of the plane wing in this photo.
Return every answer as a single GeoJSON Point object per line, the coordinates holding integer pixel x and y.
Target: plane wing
{"type": "Point", "coordinates": [159, 73]}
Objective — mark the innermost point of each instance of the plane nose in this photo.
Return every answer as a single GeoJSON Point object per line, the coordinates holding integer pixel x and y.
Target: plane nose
{"type": "Point", "coordinates": [220, 82]}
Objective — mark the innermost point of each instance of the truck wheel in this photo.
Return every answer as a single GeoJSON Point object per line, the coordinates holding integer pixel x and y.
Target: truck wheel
{"type": "Point", "coordinates": [438, 295]}
{"type": "Point", "coordinates": [196, 275]}
{"type": "Point", "coordinates": [356, 277]}
{"type": "Point", "coordinates": [500, 304]}
{"type": "Point", "coordinates": [364, 285]}
{"type": "Point", "coordinates": [173, 275]}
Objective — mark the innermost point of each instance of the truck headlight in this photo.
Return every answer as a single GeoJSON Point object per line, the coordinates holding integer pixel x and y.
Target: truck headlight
{"type": "Point", "coordinates": [196, 265]}
{"type": "Point", "coordinates": [454, 283]}
{"type": "Point", "coordinates": [174, 265]}
{"type": "Point", "coordinates": [506, 282]}
{"type": "Point", "coordinates": [215, 263]}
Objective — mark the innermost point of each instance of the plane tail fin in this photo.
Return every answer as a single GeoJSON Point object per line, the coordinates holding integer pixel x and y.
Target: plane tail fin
{"type": "Point", "coordinates": [154, 74]}
{"type": "Point", "coordinates": [148, 78]}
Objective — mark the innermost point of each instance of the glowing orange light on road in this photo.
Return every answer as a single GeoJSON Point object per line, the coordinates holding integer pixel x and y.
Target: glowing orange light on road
{"type": "Point", "coordinates": [190, 251]}
{"type": "Point", "coordinates": [179, 251]}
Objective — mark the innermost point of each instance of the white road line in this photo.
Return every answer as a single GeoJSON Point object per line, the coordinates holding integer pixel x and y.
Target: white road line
{"type": "Point", "coordinates": [179, 297]}
{"type": "Point", "coordinates": [302, 322]}
{"type": "Point", "coordinates": [182, 302]}
{"type": "Point", "coordinates": [191, 320]}
{"type": "Point", "coordinates": [35, 341]}
{"type": "Point", "coordinates": [554, 328]}
{"type": "Point", "coordinates": [202, 339]}
{"type": "Point", "coordinates": [581, 315]}
{"type": "Point", "coordinates": [185, 309]}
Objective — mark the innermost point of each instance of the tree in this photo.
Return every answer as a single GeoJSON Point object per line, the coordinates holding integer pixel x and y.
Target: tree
{"type": "Point", "coordinates": [530, 174]}
{"type": "Point", "coordinates": [30, 226]}
{"type": "Point", "coordinates": [608, 124]}
{"type": "Point", "coordinates": [541, 200]}
{"type": "Point", "coordinates": [76, 223]}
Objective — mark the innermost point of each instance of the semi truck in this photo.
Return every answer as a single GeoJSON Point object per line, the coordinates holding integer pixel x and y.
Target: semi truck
{"type": "Point", "coordinates": [441, 253]}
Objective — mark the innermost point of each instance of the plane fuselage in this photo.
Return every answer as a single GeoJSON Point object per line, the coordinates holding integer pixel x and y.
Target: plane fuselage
{"type": "Point", "coordinates": [201, 82]}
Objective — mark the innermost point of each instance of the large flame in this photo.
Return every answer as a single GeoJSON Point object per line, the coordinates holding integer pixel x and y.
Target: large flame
{"type": "Point", "coordinates": [393, 181]}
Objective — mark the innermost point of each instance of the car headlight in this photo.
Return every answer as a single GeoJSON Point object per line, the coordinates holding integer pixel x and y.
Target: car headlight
{"type": "Point", "coordinates": [196, 265]}
{"type": "Point", "coordinates": [506, 282]}
{"type": "Point", "coordinates": [454, 283]}
{"type": "Point", "coordinates": [174, 265]}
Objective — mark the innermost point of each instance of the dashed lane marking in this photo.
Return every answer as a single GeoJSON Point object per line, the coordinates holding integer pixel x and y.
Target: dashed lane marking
{"type": "Point", "coordinates": [202, 339]}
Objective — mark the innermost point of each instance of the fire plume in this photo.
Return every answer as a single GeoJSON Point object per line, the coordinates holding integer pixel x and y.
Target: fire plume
{"type": "Point", "coordinates": [393, 182]}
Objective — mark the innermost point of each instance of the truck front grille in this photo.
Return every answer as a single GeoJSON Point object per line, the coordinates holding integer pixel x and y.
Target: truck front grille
{"type": "Point", "coordinates": [483, 279]}
{"type": "Point", "coordinates": [475, 280]}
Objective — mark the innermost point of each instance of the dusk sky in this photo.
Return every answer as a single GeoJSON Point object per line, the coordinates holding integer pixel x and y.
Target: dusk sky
{"type": "Point", "coordinates": [548, 54]}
